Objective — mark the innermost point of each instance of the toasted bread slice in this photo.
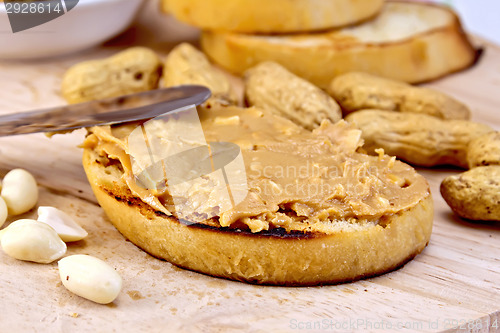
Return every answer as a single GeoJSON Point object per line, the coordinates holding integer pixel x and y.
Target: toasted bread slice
{"type": "Point", "coordinates": [411, 42]}
{"type": "Point", "coordinates": [370, 215]}
{"type": "Point", "coordinates": [271, 16]}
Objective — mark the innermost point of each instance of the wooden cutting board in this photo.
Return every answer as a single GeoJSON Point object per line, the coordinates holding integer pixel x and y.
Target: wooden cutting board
{"type": "Point", "coordinates": [454, 284]}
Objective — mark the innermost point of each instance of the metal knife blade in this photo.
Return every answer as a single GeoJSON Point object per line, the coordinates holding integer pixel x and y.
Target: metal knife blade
{"type": "Point", "coordinates": [144, 105]}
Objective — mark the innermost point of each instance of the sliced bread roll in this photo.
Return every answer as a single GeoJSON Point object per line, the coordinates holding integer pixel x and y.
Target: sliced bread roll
{"type": "Point", "coordinates": [271, 16]}
{"type": "Point", "coordinates": [410, 42]}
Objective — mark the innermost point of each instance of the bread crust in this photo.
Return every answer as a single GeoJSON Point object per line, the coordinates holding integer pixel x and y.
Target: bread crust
{"type": "Point", "coordinates": [272, 258]}
{"type": "Point", "coordinates": [260, 16]}
{"type": "Point", "coordinates": [417, 58]}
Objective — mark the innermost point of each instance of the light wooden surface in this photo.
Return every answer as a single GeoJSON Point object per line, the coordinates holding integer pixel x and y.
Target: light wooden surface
{"type": "Point", "coordinates": [456, 280]}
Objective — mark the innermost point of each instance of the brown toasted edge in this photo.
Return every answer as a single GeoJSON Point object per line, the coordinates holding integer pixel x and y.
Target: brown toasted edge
{"type": "Point", "coordinates": [273, 233]}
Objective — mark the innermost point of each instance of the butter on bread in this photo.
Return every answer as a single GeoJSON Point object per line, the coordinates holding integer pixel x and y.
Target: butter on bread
{"type": "Point", "coordinates": [271, 16]}
{"type": "Point", "coordinates": [410, 42]}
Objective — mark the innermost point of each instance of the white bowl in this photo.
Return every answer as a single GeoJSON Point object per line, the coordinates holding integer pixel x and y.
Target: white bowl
{"type": "Point", "coordinates": [90, 23]}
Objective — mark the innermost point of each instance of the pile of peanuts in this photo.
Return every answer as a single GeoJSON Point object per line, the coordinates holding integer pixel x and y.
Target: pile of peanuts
{"type": "Point", "coordinates": [43, 240]}
{"type": "Point", "coordinates": [475, 194]}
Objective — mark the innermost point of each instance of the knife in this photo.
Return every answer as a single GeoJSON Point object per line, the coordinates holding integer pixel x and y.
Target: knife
{"type": "Point", "coordinates": [139, 106]}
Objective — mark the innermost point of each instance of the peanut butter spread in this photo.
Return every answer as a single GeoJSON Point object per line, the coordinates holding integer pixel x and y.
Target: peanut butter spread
{"type": "Point", "coordinates": [297, 180]}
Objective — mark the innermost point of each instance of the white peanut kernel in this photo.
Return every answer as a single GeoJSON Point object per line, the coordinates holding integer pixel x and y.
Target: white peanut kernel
{"type": "Point", "coordinates": [90, 278]}
{"type": "Point", "coordinates": [63, 224]}
{"type": "Point", "coordinates": [30, 240]}
{"type": "Point", "coordinates": [3, 211]}
{"type": "Point", "coordinates": [19, 190]}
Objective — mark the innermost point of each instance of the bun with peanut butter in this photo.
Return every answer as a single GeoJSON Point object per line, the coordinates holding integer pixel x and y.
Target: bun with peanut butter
{"type": "Point", "coordinates": [278, 193]}
{"type": "Point", "coordinates": [312, 209]}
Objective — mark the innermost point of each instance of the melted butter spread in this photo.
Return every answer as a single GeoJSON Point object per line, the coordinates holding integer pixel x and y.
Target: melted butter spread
{"type": "Point", "coordinates": [297, 180]}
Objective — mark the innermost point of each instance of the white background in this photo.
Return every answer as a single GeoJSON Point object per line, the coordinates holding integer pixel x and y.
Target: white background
{"type": "Point", "coordinates": [480, 17]}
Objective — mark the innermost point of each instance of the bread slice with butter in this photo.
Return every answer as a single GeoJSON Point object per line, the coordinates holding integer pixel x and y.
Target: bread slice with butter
{"type": "Point", "coordinates": [411, 42]}
{"type": "Point", "coordinates": [276, 16]}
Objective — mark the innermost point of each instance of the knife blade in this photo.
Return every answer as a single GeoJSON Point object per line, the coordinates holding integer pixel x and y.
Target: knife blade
{"type": "Point", "coordinates": [139, 106]}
